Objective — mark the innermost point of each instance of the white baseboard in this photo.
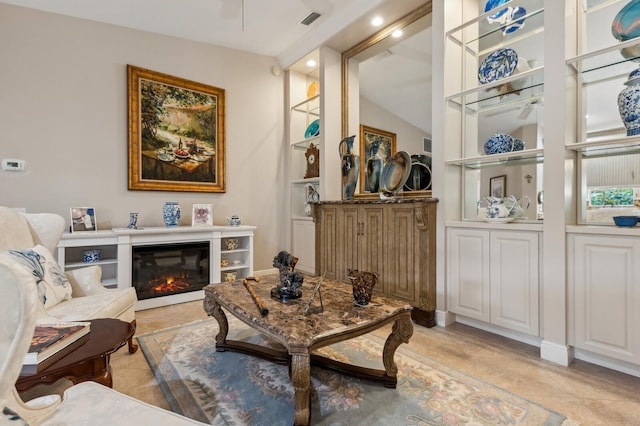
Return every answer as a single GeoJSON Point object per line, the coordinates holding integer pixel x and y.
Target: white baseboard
{"type": "Point", "coordinates": [556, 353]}
{"type": "Point", "coordinates": [444, 318]}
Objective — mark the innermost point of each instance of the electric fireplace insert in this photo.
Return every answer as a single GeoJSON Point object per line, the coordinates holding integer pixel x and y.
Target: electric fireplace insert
{"type": "Point", "coordinates": [162, 270]}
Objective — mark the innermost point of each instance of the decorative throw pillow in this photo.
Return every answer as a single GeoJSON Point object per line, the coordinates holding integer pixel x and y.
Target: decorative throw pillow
{"type": "Point", "coordinates": [53, 285]}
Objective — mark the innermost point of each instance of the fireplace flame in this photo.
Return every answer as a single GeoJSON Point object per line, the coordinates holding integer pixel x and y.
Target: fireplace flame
{"type": "Point", "coordinates": [169, 284]}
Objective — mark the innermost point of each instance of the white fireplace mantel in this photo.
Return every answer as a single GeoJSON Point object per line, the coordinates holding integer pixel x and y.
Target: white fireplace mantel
{"type": "Point", "coordinates": [125, 239]}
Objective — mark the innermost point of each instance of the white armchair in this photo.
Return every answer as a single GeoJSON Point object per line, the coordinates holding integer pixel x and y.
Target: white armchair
{"type": "Point", "coordinates": [89, 299]}
{"type": "Point", "coordinates": [87, 403]}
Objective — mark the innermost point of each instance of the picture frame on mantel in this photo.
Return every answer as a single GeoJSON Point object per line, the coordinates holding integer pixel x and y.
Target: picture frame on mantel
{"type": "Point", "coordinates": [370, 139]}
{"type": "Point", "coordinates": [176, 133]}
{"type": "Point", "coordinates": [498, 186]}
{"type": "Point", "coordinates": [202, 215]}
{"type": "Point", "coordinates": [83, 219]}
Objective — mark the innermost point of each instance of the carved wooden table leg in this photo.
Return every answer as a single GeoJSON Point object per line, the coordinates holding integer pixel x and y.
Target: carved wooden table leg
{"type": "Point", "coordinates": [401, 333]}
{"type": "Point", "coordinates": [300, 377]}
{"type": "Point", "coordinates": [212, 308]}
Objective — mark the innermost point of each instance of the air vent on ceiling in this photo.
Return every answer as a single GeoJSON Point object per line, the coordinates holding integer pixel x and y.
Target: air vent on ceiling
{"type": "Point", "coordinates": [310, 18]}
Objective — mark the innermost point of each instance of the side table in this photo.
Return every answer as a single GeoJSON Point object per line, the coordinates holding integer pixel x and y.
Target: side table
{"type": "Point", "coordinates": [90, 361]}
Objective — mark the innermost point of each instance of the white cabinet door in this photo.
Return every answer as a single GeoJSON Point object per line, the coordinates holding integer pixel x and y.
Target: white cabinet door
{"type": "Point", "coordinates": [604, 278]}
{"type": "Point", "coordinates": [514, 280]}
{"type": "Point", "coordinates": [468, 272]}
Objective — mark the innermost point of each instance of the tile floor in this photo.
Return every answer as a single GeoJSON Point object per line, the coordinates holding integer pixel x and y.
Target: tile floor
{"type": "Point", "coordinates": [587, 394]}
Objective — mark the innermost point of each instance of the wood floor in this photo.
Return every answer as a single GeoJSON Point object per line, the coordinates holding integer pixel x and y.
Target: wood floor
{"type": "Point", "coordinates": [587, 394]}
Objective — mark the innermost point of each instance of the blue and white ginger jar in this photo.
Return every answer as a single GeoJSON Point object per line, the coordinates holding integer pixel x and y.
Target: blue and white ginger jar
{"type": "Point", "coordinates": [171, 213]}
{"type": "Point", "coordinates": [629, 103]}
{"type": "Point", "coordinates": [498, 144]}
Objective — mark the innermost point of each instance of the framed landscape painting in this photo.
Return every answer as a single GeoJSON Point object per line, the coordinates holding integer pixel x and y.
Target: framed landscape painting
{"type": "Point", "coordinates": [498, 186]}
{"type": "Point", "coordinates": [176, 133]}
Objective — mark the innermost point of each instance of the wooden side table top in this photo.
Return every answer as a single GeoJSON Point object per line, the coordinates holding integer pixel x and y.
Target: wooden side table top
{"type": "Point", "coordinates": [287, 323]}
{"type": "Point", "coordinates": [90, 361]}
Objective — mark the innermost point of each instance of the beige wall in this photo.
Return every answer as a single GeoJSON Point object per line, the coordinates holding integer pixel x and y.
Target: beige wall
{"type": "Point", "coordinates": [63, 109]}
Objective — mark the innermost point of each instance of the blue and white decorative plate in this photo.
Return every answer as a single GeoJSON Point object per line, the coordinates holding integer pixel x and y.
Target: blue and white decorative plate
{"type": "Point", "coordinates": [313, 129]}
{"type": "Point", "coordinates": [500, 15]}
{"type": "Point", "coordinates": [516, 20]}
{"type": "Point", "coordinates": [499, 64]}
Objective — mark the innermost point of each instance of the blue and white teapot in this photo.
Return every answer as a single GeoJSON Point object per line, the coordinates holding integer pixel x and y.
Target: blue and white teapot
{"type": "Point", "coordinates": [234, 220]}
{"type": "Point", "coordinates": [498, 207]}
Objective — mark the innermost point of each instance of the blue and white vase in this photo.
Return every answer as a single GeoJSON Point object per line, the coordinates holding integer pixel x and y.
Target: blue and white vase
{"type": "Point", "coordinates": [498, 144]}
{"type": "Point", "coordinates": [171, 213]}
{"type": "Point", "coordinates": [629, 103]}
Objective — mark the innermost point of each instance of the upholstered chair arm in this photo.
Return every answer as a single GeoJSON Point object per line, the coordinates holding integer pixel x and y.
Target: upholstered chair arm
{"type": "Point", "coordinates": [85, 281]}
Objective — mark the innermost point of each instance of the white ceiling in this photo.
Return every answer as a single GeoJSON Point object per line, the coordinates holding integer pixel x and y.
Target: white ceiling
{"type": "Point", "coordinates": [267, 27]}
{"type": "Point", "coordinates": [272, 28]}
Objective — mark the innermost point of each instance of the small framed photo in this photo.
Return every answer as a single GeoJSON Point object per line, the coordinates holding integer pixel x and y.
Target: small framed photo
{"type": "Point", "coordinates": [202, 215]}
{"type": "Point", "coordinates": [498, 186]}
{"type": "Point", "coordinates": [83, 219]}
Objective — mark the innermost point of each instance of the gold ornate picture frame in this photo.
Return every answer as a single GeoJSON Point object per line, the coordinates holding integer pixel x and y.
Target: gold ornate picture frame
{"type": "Point", "coordinates": [176, 133]}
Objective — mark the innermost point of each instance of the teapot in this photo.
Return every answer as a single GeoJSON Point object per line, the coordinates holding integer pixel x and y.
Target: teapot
{"type": "Point", "coordinates": [498, 207]}
{"type": "Point", "coordinates": [233, 220]}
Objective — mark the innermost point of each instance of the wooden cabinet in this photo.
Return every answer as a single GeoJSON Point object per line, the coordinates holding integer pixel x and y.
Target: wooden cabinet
{"type": "Point", "coordinates": [494, 277]}
{"type": "Point", "coordinates": [604, 286]}
{"type": "Point", "coordinates": [395, 239]}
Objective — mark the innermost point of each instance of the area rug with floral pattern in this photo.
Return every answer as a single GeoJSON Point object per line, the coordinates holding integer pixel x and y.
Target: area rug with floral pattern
{"type": "Point", "coordinates": [227, 388]}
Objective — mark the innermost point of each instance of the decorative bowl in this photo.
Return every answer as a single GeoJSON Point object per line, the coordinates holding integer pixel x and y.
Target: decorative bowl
{"type": "Point", "coordinates": [313, 129]}
{"type": "Point", "coordinates": [499, 144]}
{"type": "Point", "coordinates": [497, 65]}
{"type": "Point", "coordinates": [518, 144]}
{"type": "Point", "coordinates": [395, 173]}
{"type": "Point", "coordinates": [515, 19]}
{"type": "Point", "coordinates": [501, 15]}
{"type": "Point", "coordinates": [237, 262]}
{"type": "Point", "coordinates": [93, 255]}
{"type": "Point", "coordinates": [626, 221]}
{"type": "Point", "coordinates": [231, 243]}
{"type": "Point", "coordinates": [420, 175]}
{"type": "Point", "coordinates": [626, 24]}
{"type": "Point", "coordinates": [230, 276]}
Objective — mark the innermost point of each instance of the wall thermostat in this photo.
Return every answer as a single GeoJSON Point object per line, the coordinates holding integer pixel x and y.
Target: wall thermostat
{"type": "Point", "coordinates": [14, 165]}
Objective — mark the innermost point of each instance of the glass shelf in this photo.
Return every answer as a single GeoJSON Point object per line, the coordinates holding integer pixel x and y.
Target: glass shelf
{"type": "Point", "coordinates": [604, 64]}
{"type": "Point", "coordinates": [304, 144]}
{"type": "Point", "coordinates": [480, 31]}
{"type": "Point", "coordinates": [605, 148]}
{"type": "Point", "coordinates": [504, 92]}
{"type": "Point", "coordinates": [527, 156]}
{"type": "Point", "coordinates": [309, 106]}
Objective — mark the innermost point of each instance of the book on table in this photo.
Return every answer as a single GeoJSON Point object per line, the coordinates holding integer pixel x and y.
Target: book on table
{"type": "Point", "coordinates": [51, 342]}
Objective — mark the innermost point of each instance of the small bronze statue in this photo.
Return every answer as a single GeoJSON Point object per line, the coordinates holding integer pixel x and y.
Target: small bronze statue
{"type": "Point", "coordinates": [290, 281]}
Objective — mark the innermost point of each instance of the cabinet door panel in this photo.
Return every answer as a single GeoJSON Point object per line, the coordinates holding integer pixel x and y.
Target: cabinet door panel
{"type": "Point", "coordinates": [327, 253]}
{"type": "Point", "coordinates": [514, 280]}
{"type": "Point", "coordinates": [606, 296]}
{"type": "Point", "coordinates": [400, 264]}
{"type": "Point", "coordinates": [468, 272]}
{"type": "Point", "coordinates": [349, 251]}
{"type": "Point", "coordinates": [370, 250]}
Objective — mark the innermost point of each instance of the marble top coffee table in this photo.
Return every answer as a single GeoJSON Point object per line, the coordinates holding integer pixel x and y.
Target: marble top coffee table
{"type": "Point", "coordinates": [301, 334]}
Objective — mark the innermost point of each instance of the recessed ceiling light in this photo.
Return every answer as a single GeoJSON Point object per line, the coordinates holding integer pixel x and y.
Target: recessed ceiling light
{"type": "Point", "coordinates": [396, 33]}
{"type": "Point", "coordinates": [377, 21]}
{"type": "Point", "coordinates": [311, 63]}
